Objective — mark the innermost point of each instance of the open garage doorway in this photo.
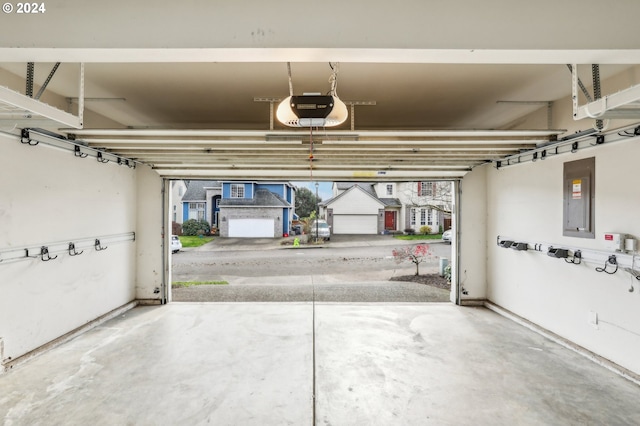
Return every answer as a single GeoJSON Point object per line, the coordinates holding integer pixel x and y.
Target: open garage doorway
{"type": "Point", "coordinates": [255, 241]}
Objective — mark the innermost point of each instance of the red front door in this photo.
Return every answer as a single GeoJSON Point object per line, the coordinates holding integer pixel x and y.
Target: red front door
{"type": "Point", "coordinates": [390, 221]}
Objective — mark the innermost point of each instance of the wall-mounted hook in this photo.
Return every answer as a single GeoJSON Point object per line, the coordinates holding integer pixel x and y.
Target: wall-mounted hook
{"type": "Point", "coordinates": [576, 259]}
{"type": "Point", "coordinates": [520, 246]}
{"type": "Point", "coordinates": [78, 153]}
{"type": "Point", "coordinates": [610, 261]}
{"type": "Point", "coordinates": [44, 251]}
{"type": "Point", "coordinates": [72, 250]}
{"type": "Point", "coordinates": [574, 147]}
{"type": "Point", "coordinates": [98, 246]}
{"type": "Point", "coordinates": [558, 253]}
{"type": "Point", "coordinates": [100, 158]}
{"type": "Point", "coordinates": [505, 243]}
{"type": "Point", "coordinates": [25, 138]}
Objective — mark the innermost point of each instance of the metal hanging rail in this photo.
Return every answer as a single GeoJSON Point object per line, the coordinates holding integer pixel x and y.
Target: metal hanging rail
{"type": "Point", "coordinates": [570, 144]}
{"type": "Point", "coordinates": [34, 137]}
{"type": "Point", "coordinates": [611, 261]}
{"type": "Point", "coordinates": [73, 247]}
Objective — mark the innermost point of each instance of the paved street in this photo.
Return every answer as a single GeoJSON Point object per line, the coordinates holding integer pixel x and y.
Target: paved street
{"type": "Point", "coordinates": [347, 269]}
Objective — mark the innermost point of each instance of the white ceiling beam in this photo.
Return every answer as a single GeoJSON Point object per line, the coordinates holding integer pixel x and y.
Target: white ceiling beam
{"type": "Point", "coordinates": [361, 55]}
{"type": "Point", "coordinates": [37, 108]}
{"type": "Point", "coordinates": [329, 175]}
{"type": "Point", "coordinates": [138, 134]}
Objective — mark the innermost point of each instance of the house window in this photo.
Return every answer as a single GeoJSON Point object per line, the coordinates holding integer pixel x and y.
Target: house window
{"type": "Point", "coordinates": [389, 189]}
{"type": "Point", "coordinates": [237, 190]}
{"type": "Point", "coordinates": [196, 211]}
{"type": "Point", "coordinates": [426, 189]}
{"type": "Point", "coordinates": [423, 217]}
{"type": "Point", "coordinates": [430, 217]}
{"type": "Point", "coordinates": [413, 216]}
{"type": "Point", "coordinates": [217, 203]}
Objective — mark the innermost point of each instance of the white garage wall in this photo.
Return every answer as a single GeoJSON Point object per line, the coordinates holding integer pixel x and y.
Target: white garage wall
{"type": "Point", "coordinates": [525, 202]}
{"type": "Point", "coordinates": [472, 242]}
{"type": "Point", "coordinates": [48, 195]}
{"type": "Point", "coordinates": [152, 262]}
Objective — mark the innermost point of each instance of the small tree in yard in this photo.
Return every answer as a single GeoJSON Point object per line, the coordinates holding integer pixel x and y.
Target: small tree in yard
{"type": "Point", "coordinates": [415, 254]}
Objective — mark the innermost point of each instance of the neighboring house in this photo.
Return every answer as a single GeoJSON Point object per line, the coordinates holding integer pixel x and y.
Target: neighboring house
{"type": "Point", "coordinates": [178, 189]}
{"type": "Point", "coordinates": [201, 201]}
{"type": "Point", "coordinates": [256, 209]}
{"type": "Point", "coordinates": [374, 208]}
{"type": "Point", "coordinates": [427, 203]}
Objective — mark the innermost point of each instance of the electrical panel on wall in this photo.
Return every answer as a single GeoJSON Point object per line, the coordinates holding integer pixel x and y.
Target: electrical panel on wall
{"type": "Point", "coordinates": [579, 198]}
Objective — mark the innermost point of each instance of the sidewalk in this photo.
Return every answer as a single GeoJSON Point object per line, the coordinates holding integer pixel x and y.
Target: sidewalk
{"type": "Point", "coordinates": [223, 244]}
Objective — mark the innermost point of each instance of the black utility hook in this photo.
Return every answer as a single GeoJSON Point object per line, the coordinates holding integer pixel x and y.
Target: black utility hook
{"type": "Point", "coordinates": [78, 153]}
{"type": "Point", "coordinates": [25, 138]}
{"type": "Point", "coordinates": [72, 250]}
{"type": "Point", "coordinates": [101, 159]}
{"type": "Point", "coordinates": [577, 258]}
{"type": "Point", "coordinates": [610, 261]}
{"type": "Point", "coordinates": [98, 246]}
{"type": "Point", "coordinates": [44, 251]}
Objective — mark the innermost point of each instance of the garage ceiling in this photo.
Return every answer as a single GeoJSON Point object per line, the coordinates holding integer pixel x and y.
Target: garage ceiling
{"type": "Point", "coordinates": [409, 67]}
{"type": "Point", "coordinates": [215, 119]}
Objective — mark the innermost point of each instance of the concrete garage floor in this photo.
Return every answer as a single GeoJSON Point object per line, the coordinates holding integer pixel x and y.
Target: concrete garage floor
{"type": "Point", "coordinates": [253, 364]}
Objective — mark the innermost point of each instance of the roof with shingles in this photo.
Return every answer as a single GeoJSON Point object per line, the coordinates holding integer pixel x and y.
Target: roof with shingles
{"type": "Point", "coordinates": [351, 189]}
{"type": "Point", "coordinates": [367, 186]}
{"type": "Point", "coordinates": [263, 198]}
{"type": "Point", "coordinates": [196, 189]}
{"type": "Point", "coordinates": [391, 202]}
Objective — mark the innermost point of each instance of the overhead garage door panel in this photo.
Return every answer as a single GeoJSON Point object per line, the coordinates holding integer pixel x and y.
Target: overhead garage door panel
{"type": "Point", "coordinates": [251, 228]}
{"type": "Point", "coordinates": [355, 224]}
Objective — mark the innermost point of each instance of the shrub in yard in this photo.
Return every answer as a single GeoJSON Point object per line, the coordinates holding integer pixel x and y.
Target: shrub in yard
{"type": "Point", "coordinates": [447, 273]}
{"type": "Point", "coordinates": [425, 229]}
{"type": "Point", "coordinates": [409, 231]}
{"type": "Point", "coordinates": [194, 227]}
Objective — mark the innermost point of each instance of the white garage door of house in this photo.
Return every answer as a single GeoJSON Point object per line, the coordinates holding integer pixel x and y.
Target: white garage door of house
{"type": "Point", "coordinates": [355, 224]}
{"type": "Point", "coordinates": [251, 228]}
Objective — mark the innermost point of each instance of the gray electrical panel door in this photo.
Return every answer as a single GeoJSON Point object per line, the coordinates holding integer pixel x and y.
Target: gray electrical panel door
{"type": "Point", "coordinates": [579, 198]}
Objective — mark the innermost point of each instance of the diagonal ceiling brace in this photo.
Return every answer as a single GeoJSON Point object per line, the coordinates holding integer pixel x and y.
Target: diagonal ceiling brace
{"type": "Point", "coordinates": [46, 83]}
{"type": "Point", "coordinates": [585, 92]}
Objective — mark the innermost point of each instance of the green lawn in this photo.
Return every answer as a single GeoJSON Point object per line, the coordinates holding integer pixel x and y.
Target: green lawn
{"type": "Point", "coordinates": [194, 241]}
{"type": "Point", "coordinates": [177, 284]}
{"type": "Point", "coordinates": [419, 237]}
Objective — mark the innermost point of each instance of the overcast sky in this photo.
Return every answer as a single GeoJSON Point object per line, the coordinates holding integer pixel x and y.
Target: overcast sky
{"type": "Point", "coordinates": [324, 188]}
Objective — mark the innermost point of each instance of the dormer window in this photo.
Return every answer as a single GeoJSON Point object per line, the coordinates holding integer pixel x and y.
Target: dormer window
{"type": "Point", "coordinates": [237, 190]}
